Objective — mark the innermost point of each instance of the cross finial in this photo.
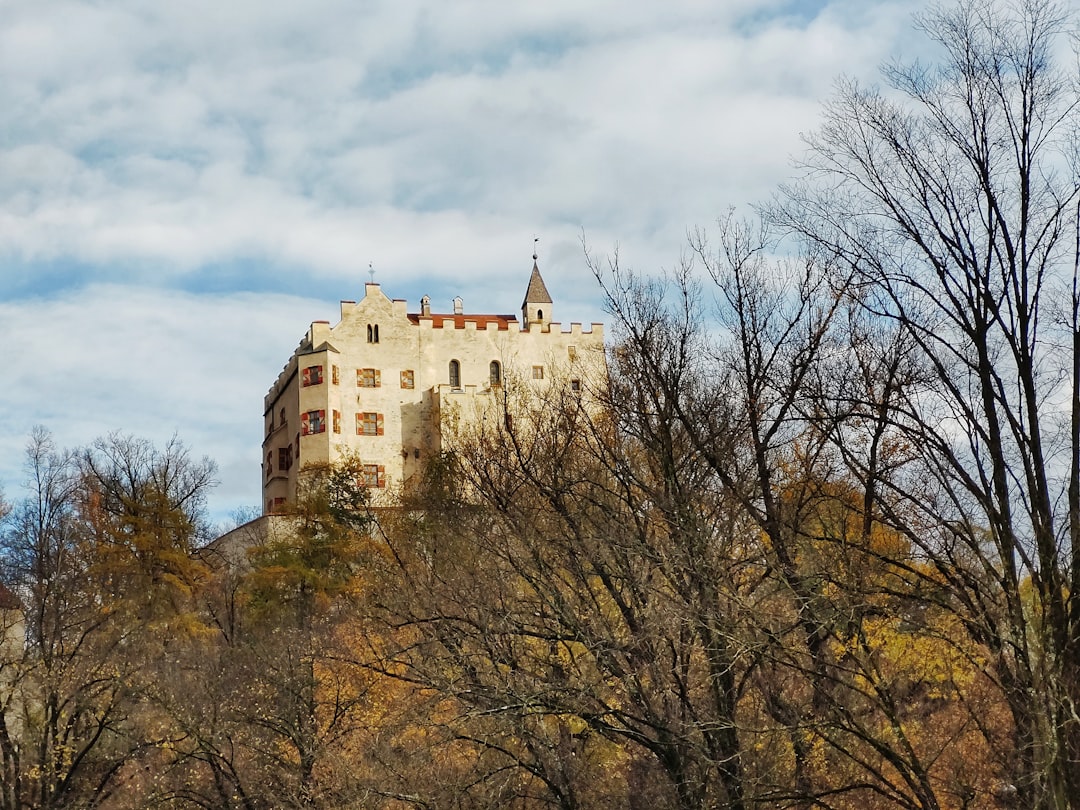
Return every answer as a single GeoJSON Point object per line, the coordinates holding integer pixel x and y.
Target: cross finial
{"type": "Point", "coordinates": [535, 240]}
{"type": "Point", "coordinates": [371, 272]}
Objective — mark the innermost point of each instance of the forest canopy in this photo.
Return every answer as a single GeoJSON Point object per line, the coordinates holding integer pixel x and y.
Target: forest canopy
{"type": "Point", "coordinates": [813, 542]}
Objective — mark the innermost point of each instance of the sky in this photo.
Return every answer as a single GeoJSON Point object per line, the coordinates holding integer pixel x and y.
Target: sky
{"type": "Point", "coordinates": [184, 187]}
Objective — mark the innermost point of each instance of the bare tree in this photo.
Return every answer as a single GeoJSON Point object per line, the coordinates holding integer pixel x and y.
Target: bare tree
{"type": "Point", "coordinates": [576, 587]}
{"type": "Point", "coordinates": [71, 722]}
{"type": "Point", "coordinates": [952, 201]}
{"type": "Point", "coordinates": [739, 381]}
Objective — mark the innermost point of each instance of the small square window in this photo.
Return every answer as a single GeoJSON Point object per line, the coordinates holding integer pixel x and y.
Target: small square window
{"type": "Point", "coordinates": [369, 424]}
{"type": "Point", "coordinates": [408, 378]}
{"type": "Point", "coordinates": [337, 421]}
{"type": "Point", "coordinates": [313, 422]}
{"type": "Point", "coordinates": [312, 375]}
{"type": "Point", "coordinates": [368, 378]}
{"type": "Point", "coordinates": [538, 372]}
{"type": "Point", "coordinates": [374, 475]}
{"type": "Point", "coordinates": [335, 375]}
{"type": "Point", "coordinates": [575, 386]}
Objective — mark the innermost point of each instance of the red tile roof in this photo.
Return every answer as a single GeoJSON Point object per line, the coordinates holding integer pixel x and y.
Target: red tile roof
{"type": "Point", "coordinates": [439, 321]}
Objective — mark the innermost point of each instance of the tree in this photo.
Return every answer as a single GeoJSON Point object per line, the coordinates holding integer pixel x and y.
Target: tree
{"type": "Point", "coordinates": [575, 585]}
{"type": "Point", "coordinates": [952, 202]}
{"type": "Point", "coordinates": [274, 701]}
{"type": "Point", "coordinates": [144, 508]}
{"type": "Point", "coordinates": [70, 722]}
{"type": "Point", "coordinates": [738, 382]}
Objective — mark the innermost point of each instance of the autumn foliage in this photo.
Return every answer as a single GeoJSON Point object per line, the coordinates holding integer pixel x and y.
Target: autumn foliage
{"type": "Point", "coordinates": [813, 542]}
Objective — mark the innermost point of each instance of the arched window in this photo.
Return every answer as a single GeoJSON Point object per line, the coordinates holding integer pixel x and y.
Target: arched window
{"type": "Point", "coordinates": [455, 374]}
{"type": "Point", "coordinates": [369, 334]}
{"type": "Point", "coordinates": [372, 333]}
{"type": "Point", "coordinates": [539, 314]}
{"type": "Point", "coordinates": [376, 334]}
{"type": "Point", "coordinates": [496, 372]}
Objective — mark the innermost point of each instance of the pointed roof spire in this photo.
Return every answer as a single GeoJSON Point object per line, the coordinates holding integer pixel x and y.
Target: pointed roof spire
{"type": "Point", "coordinates": [537, 292]}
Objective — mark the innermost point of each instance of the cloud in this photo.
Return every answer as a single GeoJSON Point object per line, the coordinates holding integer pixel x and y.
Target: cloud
{"type": "Point", "coordinates": [149, 364]}
{"type": "Point", "coordinates": [185, 186]}
{"type": "Point", "coordinates": [175, 136]}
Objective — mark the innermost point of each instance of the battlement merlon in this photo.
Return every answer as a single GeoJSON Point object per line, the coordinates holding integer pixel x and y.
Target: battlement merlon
{"type": "Point", "coordinates": [318, 333]}
{"type": "Point", "coordinates": [595, 330]}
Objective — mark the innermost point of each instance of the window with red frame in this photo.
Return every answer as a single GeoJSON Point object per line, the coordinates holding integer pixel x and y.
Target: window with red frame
{"type": "Point", "coordinates": [369, 424]}
{"type": "Point", "coordinates": [313, 422]}
{"type": "Point", "coordinates": [374, 475]}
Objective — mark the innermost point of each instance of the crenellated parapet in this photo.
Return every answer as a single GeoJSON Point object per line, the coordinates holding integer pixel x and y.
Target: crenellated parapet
{"type": "Point", "coordinates": [380, 383]}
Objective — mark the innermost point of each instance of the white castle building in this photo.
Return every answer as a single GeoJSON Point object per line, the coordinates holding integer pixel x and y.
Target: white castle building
{"type": "Point", "coordinates": [381, 383]}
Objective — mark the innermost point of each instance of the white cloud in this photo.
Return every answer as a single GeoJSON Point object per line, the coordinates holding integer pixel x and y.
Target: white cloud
{"type": "Point", "coordinates": [176, 135]}
{"type": "Point", "coordinates": [149, 363]}
{"type": "Point", "coordinates": [276, 146]}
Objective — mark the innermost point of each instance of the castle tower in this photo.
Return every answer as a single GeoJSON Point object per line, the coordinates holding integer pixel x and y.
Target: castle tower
{"type": "Point", "coordinates": [536, 308]}
{"type": "Point", "coordinates": [383, 383]}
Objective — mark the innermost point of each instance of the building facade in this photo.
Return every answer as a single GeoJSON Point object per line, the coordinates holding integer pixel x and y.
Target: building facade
{"type": "Point", "coordinates": [382, 383]}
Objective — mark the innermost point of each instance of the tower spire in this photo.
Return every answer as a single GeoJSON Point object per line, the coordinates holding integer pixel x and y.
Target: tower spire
{"type": "Point", "coordinates": [536, 308]}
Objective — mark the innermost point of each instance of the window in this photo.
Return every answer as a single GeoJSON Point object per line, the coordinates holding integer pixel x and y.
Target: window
{"type": "Point", "coordinates": [298, 447]}
{"type": "Point", "coordinates": [335, 376]}
{"type": "Point", "coordinates": [312, 375]}
{"type": "Point", "coordinates": [495, 372]}
{"type": "Point", "coordinates": [283, 460]}
{"type": "Point", "coordinates": [539, 314]}
{"type": "Point", "coordinates": [277, 504]}
{"type": "Point", "coordinates": [369, 424]}
{"type": "Point", "coordinates": [571, 352]}
{"type": "Point", "coordinates": [337, 421]}
{"type": "Point", "coordinates": [575, 386]}
{"type": "Point", "coordinates": [282, 417]}
{"type": "Point", "coordinates": [368, 378]}
{"type": "Point", "coordinates": [455, 374]}
{"type": "Point", "coordinates": [538, 372]}
{"type": "Point", "coordinates": [372, 333]}
{"type": "Point", "coordinates": [374, 475]}
{"type": "Point", "coordinates": [313, 422]}
{"type": "Point", "coordinates": [270, 464]}
{"type": "Point", "coordinates": [408, 379]}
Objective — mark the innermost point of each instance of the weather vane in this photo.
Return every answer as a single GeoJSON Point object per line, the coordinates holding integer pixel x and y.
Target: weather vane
{"type": "Point", "coordinates": [371, 272]}
{"type": "Point", "coordinates": [535, 240]}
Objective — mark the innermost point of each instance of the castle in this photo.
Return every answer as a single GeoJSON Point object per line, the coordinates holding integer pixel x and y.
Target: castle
{"type": "Point", "coordinates": [381, 384]}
